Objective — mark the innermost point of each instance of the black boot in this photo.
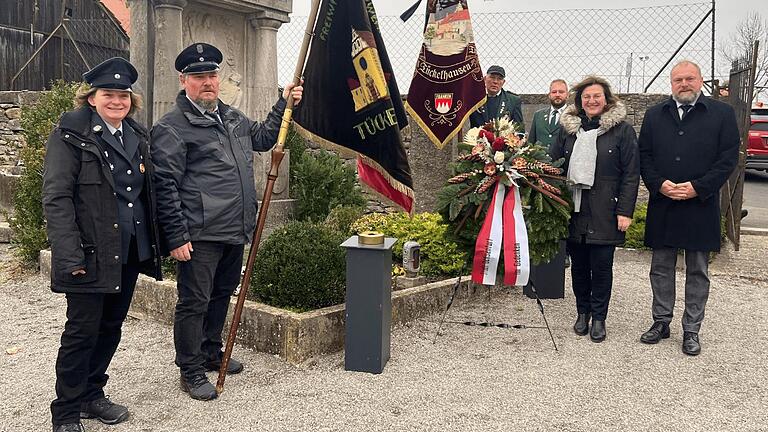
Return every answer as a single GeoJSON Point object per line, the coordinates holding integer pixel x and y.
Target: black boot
{"type": "Point", "coordinates": [581, 326]}
{"type": "Point", "coordinates": [658, 331]}
{"type": "Point", "coordinates": [597, 334]}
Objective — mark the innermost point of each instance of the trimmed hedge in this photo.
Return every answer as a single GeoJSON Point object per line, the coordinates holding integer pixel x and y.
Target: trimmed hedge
{"type": "Point", "coordinates": [300, 267]}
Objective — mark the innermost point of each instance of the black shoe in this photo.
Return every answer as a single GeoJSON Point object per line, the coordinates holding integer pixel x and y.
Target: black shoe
{"type": "Point", "coordinates": [199, 387]}
{"type": "Point", "coordinates": [581, 326]}
{"type": "Point", "coordinates": [104, 410]}
{"type": "Point", "coordinates": [597, 333]}
{"type": "Point", "coordinates": [233, 367]}
{"type": "Point", "coordinates": [658, 331]}
{"type": "Point", "coordinates": [691, 345]}
{"type": "Point", "coordinates": [69, 427]}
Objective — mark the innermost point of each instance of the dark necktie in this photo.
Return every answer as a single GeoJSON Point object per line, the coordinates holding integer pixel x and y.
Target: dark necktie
{"type": "Point", "coordinates": [214, 116]}
{"type": "Point", "coordinates": [553, 119]}
{"type": "Point", "coordinates": [118, 136]}
{"type": "Point", "coordinates": [686, 109]}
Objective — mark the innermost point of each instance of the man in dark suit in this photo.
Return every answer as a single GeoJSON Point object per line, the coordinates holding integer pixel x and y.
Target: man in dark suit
{"type": "Point", "coordinates": [546, 121]}
{"type": "Point", "coordinates": [688, 148]}
{"type": "Point", "coordinates": [500, 103]}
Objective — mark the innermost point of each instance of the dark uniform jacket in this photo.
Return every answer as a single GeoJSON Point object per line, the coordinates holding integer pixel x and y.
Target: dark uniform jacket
{"type": "Point", "coordinates": [86, 203]}
{"type": "Point", "coordinates": [508, 104]}
{"type": "Point", "coordinates": [541, 130]}
{"type": "Point", "coordinates": [703, 149]}
{"type": "Point", "coordinates": [204, 172]}
{"type": "Point", "coordinates": [617, 176]}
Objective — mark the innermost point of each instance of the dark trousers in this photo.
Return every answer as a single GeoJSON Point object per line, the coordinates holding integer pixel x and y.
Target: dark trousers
{"type": "Point", "coordinates": [592, 277]}
{"type": "Point", "coordinates": [696, 286]}
{"type": "Point", "coordinates": [205, 285]}
{"type": "Point", "coordinates": [91, 335]}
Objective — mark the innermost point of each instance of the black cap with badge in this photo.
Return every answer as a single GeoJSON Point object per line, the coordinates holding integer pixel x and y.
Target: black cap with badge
{"type": "Point", "coordinates": [116, 73]}
{"type": "Point", "coordinates": [496, 69]}
{"type": "Point", "coordinates": [199, 57]}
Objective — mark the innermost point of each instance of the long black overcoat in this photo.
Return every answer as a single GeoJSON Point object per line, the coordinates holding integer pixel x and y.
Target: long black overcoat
{"type": "Point", "coordinates": [703, 149]}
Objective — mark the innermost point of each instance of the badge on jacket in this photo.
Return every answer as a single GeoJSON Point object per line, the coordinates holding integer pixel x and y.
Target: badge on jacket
{"type": "Point", "coordinates": [141, 168]}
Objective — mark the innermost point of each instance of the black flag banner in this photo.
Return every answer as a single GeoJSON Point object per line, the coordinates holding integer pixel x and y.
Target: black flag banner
{"type": "Point", "coordinates": [351, 99]}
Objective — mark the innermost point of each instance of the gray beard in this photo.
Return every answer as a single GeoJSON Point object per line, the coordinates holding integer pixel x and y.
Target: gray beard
{"type": "Point", "coordinates": [208, 105]}
{"type": "Point", "coordinates": [686, 100]}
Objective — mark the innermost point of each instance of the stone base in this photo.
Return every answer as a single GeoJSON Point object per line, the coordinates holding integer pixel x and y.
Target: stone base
{"type": "Point", "coordinates": [295, 337]}
{"type": "Point", "coordinates": [403, 282]}
{"type": "Point", "coordinates": [7, 186]}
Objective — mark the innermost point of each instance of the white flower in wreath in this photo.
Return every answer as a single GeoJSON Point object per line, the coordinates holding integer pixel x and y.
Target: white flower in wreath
{"type": "Point", "coordinates": [498, 157]}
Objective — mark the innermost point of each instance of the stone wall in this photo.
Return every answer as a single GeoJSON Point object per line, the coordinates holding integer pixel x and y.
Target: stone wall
{"type": "Point", "coordinates": [11, 139]}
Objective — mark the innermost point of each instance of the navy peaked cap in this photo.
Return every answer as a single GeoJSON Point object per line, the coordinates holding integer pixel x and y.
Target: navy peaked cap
{"type": "Point", "coordinates": [116, 73]}
{"type": "Point", "coordinates": [496, 69]}
{"type": "Point", "coordinates": [198, 58]}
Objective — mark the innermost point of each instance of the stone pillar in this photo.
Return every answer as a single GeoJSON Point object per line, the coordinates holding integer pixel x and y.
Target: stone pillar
{"type": "Point", "coordinates": [143, 55]}
{"type": "Point", "coordinates": [168, 44]}
{"type": "Point", "coordinates": [261, 64]}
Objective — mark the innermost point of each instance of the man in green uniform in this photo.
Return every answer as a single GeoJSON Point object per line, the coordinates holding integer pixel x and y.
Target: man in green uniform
{"type": "Point", "coordinates": [546, 121]}
{"type": "Point", "coordinates": [501, 103]}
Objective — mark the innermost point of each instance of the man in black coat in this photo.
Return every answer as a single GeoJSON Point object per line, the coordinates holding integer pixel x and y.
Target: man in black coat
{"type": "Point", "coordinates": [688, 148]}
{"type": "Point", "coordinates": [500, 103]}
{"type": "Point", "coordinates": [203, 153]}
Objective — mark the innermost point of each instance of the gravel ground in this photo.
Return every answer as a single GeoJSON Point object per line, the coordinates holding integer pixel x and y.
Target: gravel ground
{"type": "Point", "coordinates": [472, 379]}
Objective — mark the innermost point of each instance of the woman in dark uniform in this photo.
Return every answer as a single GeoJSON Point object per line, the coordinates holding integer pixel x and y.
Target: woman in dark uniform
{"type": "Point", "coordinates": [100, 210]}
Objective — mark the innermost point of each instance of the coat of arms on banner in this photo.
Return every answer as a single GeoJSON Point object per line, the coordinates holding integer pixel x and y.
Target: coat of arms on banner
{"type": "Point", "coordinates": [447, 84]}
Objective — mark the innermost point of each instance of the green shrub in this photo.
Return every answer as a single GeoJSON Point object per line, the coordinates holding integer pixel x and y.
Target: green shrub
{"type": "Point", "coordinates": [38, 120]}
{"type": "Point", "coordinates": [168, 264]}
{"type": "Point", "coordinates": [636, 232]}
{"type": "Point", "coordinates": [341, 218]}
{"type": "Point", "coordinates": [322, 182]}
{"type": "Point", "coordinates": [300, 267]}
{"type": "Point", "coordinates": [297, 145]}
{"type": "Point", "coordinates": [440, 255]}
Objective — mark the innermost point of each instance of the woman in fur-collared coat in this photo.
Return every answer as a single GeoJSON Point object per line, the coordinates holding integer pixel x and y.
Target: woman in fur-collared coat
{"type": "Point", "coordinates": [601, 159]}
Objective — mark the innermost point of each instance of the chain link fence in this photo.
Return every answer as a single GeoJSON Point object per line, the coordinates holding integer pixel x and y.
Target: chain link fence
{"type": "Point", "coordinates": [627, 46]}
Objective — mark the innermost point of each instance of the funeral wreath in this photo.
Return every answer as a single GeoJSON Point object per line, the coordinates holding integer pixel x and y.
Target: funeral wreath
{"type": "Point", "coordinates": [506, 193]}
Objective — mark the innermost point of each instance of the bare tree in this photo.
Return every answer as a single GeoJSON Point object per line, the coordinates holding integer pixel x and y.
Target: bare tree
{"type": "Point", "coordinates": [739, 44]}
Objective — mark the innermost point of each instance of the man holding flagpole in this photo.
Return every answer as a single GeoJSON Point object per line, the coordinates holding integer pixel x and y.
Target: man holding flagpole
{"type": "Point", "coordinates": [202, 150]}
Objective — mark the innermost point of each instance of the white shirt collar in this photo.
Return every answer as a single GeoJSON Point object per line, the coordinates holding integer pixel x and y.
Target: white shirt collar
{"type": "Point", "coordinates": [692, 103]}
{"type": "Point", "coordinates": [112, 129]}
{"type": "Point", "coordinates": [559, 110]}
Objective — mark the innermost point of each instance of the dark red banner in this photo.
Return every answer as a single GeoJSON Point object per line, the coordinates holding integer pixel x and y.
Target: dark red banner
{"type": "Point", "coordinates": [448, 83]}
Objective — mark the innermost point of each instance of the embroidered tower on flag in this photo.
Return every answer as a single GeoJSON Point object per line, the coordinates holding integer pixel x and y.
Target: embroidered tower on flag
{"type": "Point", "coordinates": [447, 84]}
{"type": "Point", "coordinates": [351, 98]}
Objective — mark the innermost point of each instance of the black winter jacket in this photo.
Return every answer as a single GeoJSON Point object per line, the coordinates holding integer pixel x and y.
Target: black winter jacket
{"type": "Point", "coordinates": [204, 172]}
{"type": "Point", "coordinates": [617, 176]}
{"type": "Point", "coordinates": [81, 207]}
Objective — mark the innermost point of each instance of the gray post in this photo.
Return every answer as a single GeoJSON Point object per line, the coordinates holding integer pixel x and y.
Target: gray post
{"type": "Point", "coordinates": [368, 305]}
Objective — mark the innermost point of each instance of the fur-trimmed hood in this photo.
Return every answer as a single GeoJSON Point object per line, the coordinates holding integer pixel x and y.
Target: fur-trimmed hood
{"type": "Point", "coordinates": [572, 122]}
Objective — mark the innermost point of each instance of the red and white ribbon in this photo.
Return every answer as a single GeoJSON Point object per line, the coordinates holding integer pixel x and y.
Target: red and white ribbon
{"type": "Point", "coordinates": [504, 226]}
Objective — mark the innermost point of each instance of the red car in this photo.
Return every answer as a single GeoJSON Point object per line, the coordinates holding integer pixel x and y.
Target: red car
{"type": "Point", "coordinates": [757, 147]}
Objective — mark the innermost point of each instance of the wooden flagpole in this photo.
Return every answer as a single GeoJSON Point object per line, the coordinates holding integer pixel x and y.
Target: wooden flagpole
{"type": "Point", "coordinates": [277, 157]}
